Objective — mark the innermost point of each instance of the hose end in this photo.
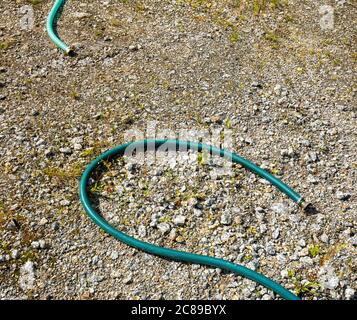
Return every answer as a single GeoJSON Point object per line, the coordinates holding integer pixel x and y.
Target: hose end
{"type": "Point", "coordinates": [70, 52]}
{"type": "Point", "coordinates": [307, 207]}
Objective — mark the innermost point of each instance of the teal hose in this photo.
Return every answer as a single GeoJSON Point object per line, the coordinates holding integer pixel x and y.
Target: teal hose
{"type": "Point", "coordinates": [145, 144]}
{"type": "Point", "coordinates": [175, 254]}
{"type": "Point", "coordinates": [51, 26]}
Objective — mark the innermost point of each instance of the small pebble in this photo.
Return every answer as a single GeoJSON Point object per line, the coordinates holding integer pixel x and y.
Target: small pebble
{"type": "Point", "coordinates": [164, 227]}
{"type": "Point", "coordinates": [15, 254]}
{"type": "Point", "coordinates": [65, 150]}
{"type": "Point", "coordinates": [226, 219]}
{"type": "Point", "coordinates": [343, 196]}
{"type": "Point", "coordinates": [114, 255]}
{"type": "Point", "coordinates": [128, 279]}
{"type": "Point", "coordinates": [179, 220]}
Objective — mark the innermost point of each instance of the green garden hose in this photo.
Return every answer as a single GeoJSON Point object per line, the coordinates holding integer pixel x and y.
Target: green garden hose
{"type": "Point", "coordinates": [178, 145]}
{"type": "Point", "coordinates": [51, 26]}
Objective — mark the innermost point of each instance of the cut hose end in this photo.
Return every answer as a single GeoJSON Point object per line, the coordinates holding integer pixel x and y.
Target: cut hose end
{"type": "Point", "coordinates": [307, 207]}
{"type": "Point", "coordinates": [70, 52]}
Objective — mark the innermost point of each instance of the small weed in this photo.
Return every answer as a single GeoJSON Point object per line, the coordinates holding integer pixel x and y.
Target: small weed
{"type": "Point", "coordinates": [29, 255]}
{"type": "Point", "coordinates": [96, 187]}
{"type": "Point", "coordinates": [115, 22]}
{"type": "Point", "coordinates": [228, 123]}
{"type": "Point", "coordinates": [200, 159]}
{"type": "Point", "coordinates": [251, 231]}
{"type": "Point", "coordinates": [308, 288]}
{"type": "Point", "coordinates": [248, 258]}
{"type": "Point", "coordinates": [87, 153]}
{"type": "Point", "coordinates": [72, 172]}
{"type": "Point", "coordinates": [165, 219]}
{"type": "Point", "coordinates": [7, 44]}
{"type": "Point", "coordinates": [331, 252]}
{"type": "Point", "coordinates": [314, 251]}
{"type": "Point", "coordinates": [291, 273]}
{"type": "Point", "coordinates": [273, 38]}
{"type": "Point", "coordinates": [74, 94]}
{"type": "Point", "coordinates": [98, 32]}
{"type": "Point", "coordinates": [234, 37]}
{"type": "Point", "coordinates": [301, 289]}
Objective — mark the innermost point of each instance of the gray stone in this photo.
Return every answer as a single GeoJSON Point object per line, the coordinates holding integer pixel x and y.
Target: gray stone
{"type": "Point", "coordinates": [55, 226]}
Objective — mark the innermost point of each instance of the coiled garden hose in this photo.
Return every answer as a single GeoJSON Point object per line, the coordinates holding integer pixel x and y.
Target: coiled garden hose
{"type": "Point", "coordinates": [179, 145]}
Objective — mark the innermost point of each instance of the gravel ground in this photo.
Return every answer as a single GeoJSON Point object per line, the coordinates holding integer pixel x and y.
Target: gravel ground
{"type": "Point", "coordinates": [285, 88]}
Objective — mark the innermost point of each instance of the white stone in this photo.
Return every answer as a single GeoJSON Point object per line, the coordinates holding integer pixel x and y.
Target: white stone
{"type": "Point", "coordinates": [332, 282]}
{"type": "Point", "coordinates": [114, 255]}
{"type": "Point", "coordinates": [142, 231]}
{"type": "Point", "coordinates": [179, 220]}
{"type": "Point", "coordinates": [42, 243]}
{"type": "Point", "coordinates": [280, 208]}
{"type": "Point", "coordinates": [164, 227]}
{"type": "Point", "coordinates": [276, 234]}
{"type": "Point", "coordinates": [35, 244]}
{"type": "Point", "coordinates": [15, 254]}
{"type": "Point", "coordinates": [43, 221]}
{"type": "Point", "coordinates": [349, 293]}
{"type": "Point", "coordinates": [226, 219]}
{"type": "Point", "coordinates": [65, 203]}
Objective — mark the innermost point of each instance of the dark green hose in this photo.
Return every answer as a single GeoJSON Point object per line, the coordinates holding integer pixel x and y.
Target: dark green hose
{"type": "Point", "coordinates": [181, 145]}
